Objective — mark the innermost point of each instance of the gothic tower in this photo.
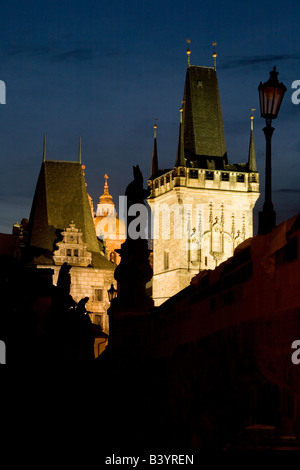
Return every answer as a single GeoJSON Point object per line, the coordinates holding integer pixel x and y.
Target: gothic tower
{"type": "Point", "coordinates": [202, 207]}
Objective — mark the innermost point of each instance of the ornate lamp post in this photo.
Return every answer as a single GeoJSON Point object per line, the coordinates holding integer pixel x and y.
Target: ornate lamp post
{"type": "Point", "coordinates": [270, 97]}
{"type": "Point", "coordinates": [112, 293]}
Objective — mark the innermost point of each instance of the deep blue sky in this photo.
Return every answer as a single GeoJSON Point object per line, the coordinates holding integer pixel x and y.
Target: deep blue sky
{"type": "Point", "coordinates": [105, 70]}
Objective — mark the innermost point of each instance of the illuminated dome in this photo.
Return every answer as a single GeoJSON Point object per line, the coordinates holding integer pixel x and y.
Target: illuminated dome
{"type": "Point", "coordinates": [106, 204]}
{"type": "Point", "coordinates": [107, 225]}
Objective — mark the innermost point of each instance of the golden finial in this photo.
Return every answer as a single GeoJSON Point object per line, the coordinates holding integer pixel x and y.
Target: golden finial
{"type": "Point", "coordinates": [188, 51]}
{"type": "Point", "coordinates": [215, 55]}
{"type": "Point", "coordinates": [83, 172]}
{"type": "Point", "coordinates": [105, 184]}
{"type": "Point", "coordinates": [252, 117]}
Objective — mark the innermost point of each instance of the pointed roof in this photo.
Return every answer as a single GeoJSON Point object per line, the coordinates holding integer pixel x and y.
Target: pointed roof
{"type": "Point", "coordinates": [154, 165]}
{"type": "Point", "coordinates": [203, 129]}
{"type": "Point", "coordinates": [44, 149]}
{"type": "Point", "coordinates": [251, 155]}
{"type": "Point", "coordinates": [60, 197]}
{"type": "Point", "coordinates": [79, 151]}
{"type": "Point", "coordinates": [180, 161]}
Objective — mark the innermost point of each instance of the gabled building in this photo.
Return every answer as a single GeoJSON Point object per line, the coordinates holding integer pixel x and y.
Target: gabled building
{"type": "Point", "coordinates": [61, 229]}
{"type": "Point", "coordinates": [203, 205]}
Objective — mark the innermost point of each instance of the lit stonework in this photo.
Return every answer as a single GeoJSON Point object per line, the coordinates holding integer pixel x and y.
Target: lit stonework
{"type": "Point", "coordinates": [202, 208]}
{"type": "Point", "coordinates": [215, 216]}
{"type": "Point", "coordinates": [71, 249]}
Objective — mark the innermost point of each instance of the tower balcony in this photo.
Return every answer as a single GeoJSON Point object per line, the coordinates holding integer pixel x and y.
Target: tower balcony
{"type": "Point", "coordinates": [204, 179]}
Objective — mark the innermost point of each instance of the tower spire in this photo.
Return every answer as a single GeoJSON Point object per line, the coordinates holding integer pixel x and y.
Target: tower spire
{"type": "Point", "coordinates": [79, 153]}
{"type": "Point", "coordinates": [44, 149]}
{"type": "Point", "coordinates": [154, 166]}
{"type": "Point", "coordinates": [251, 155]}
{"type": "Point", "coordinates": [215, 55]}
{"type": "Point", "coordinates": [188, 52]}
{"type": "Point", "coordinates": [180, 149]}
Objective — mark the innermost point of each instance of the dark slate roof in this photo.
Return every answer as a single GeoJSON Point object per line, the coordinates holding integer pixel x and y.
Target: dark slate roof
{"type": "Point", "coordinates": [61, 197]}
{"type": "Point", "coordinates": [203, 129]}
{"type": "Point", "coordinates": [202, 115]}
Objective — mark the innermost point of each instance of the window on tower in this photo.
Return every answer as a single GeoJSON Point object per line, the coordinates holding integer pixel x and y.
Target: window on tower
{"type": "Point", "coordinates": [193, 174]}
{"type": "Point", "coordinates": [113, 257]}
{"type": "Point", "coordinates": [225, 176]}
{"type": "Point", "coordinates": [209, 175]}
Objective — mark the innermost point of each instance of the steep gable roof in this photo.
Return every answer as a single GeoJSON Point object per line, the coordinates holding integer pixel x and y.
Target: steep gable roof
{"type": "Point", "coordinates": [61, 197]}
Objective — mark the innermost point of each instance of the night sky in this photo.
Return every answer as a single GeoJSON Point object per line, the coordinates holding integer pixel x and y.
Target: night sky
{"type": "Point", "coordinates": [105, 70]}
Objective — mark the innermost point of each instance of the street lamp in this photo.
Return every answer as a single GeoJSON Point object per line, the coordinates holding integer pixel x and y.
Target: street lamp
{"type": "Point", "coordinates": [270, 97]}
{"type": "Point", "coordinates": [112, 293]}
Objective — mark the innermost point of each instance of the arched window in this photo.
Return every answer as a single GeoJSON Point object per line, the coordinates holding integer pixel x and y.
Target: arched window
{"type": "Point", "coordinates": [113, 257]}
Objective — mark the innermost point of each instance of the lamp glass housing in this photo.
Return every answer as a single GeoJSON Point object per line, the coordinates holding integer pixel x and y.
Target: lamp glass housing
{"type": "Point", "coordinates": [271, 94]}
{"type": "Point", "coordinates": [112, 293]}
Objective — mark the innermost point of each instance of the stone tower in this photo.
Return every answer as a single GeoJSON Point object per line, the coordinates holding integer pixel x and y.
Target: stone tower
{"type": "Point", "coordinates": [202, 207]}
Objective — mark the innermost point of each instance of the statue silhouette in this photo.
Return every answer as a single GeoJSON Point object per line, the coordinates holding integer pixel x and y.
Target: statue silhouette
{"type": "Point", "coordinates": [135, 192]}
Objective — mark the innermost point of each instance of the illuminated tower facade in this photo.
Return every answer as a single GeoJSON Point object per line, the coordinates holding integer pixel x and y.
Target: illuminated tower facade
{"type": "Point", "coordinates": [202, 207]}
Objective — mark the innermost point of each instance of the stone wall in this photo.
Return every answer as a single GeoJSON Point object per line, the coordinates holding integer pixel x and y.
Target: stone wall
{"type": "Point", "coordinates": [225, 344]}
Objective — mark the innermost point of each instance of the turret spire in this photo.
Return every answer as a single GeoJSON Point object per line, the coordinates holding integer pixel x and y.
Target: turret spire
{"type": "Point", "coordinates": [180, 149]}
{"type": "Point", "coordinates": [44, 149]}
{"type": "Point", "coordinates": [154, 166]}
{"type": "Point", "coordinates": [251, 155]}
{"type": "Point", "coordinates": [79, 153]}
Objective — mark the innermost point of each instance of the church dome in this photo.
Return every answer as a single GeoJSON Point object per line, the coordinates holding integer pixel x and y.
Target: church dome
{"type": "Point", "coordinates": [107, 224]}
{"type": "Point", "coordinates": [106, 204]}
